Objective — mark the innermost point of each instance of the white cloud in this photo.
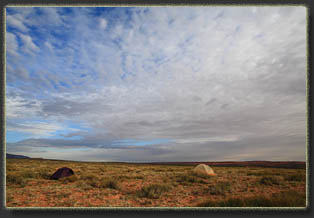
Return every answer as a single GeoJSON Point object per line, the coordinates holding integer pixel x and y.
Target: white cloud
{"type": "Point", "coordinates": [37, 129]}
{"type": "Point", "coordinates": [11, 44]}
{"type": "Point", "coordinates": [102, 23]}
{"type": "Point", "coordinates": [16, 22]}
{"type": "Point", "coordinates": [207, 140]}
{"type": "Point", "coordinates": [49, 46]}
{"type": "Point", "coordinates": [28, 45]}
{"type": "Point", "coordinates": [19, 107]}
{"type": "Point", "coordinates": [200, 76]}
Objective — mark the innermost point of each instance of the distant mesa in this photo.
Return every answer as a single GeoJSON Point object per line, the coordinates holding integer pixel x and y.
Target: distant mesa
{"type": "Point", "coordinates": [16, 156]}
{"type": "Point", "coordinates": [62, 172]}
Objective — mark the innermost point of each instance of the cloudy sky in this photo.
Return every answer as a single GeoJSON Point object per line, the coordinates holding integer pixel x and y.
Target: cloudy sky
{"type": "Point", "coordinates": [156, 83]}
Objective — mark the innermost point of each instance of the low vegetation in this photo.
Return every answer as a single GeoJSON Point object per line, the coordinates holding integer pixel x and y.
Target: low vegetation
{"type": "Point", "coordinates": [299, 177]}
{"type": "Point", "coordinates": [109, 183]}
{"type": "Point", "coordinates": [271, 180]}
{"type": "Point", "coordinates": [284, 199]}
{"type": "Point", "coordinates": [152, 191]}
{"type": "Point", "coordinates": [145, 185]}
{"type": "Point", "coordinates": [221, 188]}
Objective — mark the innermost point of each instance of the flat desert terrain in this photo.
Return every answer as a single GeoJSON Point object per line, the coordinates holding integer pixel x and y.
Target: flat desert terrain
{"type": "Point", "coordinates": [101, 184]}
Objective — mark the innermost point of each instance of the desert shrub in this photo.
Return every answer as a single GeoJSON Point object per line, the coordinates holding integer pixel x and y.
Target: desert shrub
{"type": "Point", "coordinates": [266, 172]}
{"type": "Point", "coordinates": [101, 169]}
{"type": "Point", "coordinates": [186, 178]}
{"type": "Point", "coordinates": [284, 199]}
{"type": "Point", "coordinates": [189, 178]}
{"type": "Point", "coordinates": [91, 180]}
{"type": "Point", "coordinates": [255, 174]}
{"type": "Point", "coordinates": [295, 177]}
{"type": "Point", "coordinates": [220, 188]}
{"type": "Point", "coordinates": [96, 182]}
{"type": "Point", "coordinates": [109, 183]}
{"type": "Point", "coordinates": [138, 177]}
{"type": "Point", "coordinates": [10, 168]}
{"type": "Point", "coordinates": [43, 173]}
{"type": "Point", "coordinates": [72, 178]}
{"type": "Point", "coordinates": [89, 177]}
{"type": "Point", "coordinates": [83, 185]}
{"type": "Point", "coordinates": [152, 191]}
{"type": "Point", "coordinates": [208, 203]}
{"type": "Point", "coordinates": [289, 199]}
{"type": "Point", "coordinates": [68, 179]}
{"type": "Point", "coordinates": [232, 202]}
{"type": "Point", "coordinates": [271, 180]}
{"type": "Point", "coordinates": [16, 180]}
{"type": "Point", "coordinates": [63, 195]}
{"type": "Point", "coordinates": [257, 201]}
{"type": "Point", "coordinates": [40, 174]}
{"type": "Point", "coordinates": [29, 175]}
{"type": "Point", "coordinates": [123, 177]}
{"type": "Point", "coordinates": [202, 181]}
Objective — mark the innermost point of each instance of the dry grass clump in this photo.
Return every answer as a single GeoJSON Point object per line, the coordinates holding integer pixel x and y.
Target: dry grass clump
{"type": "Point", "coordinates": [221, 188]}
{"type": "Point", "coordinates": [152, 191]}
{"type": "Point", "coordinates": [284, 199]}
{"type": "Point", "coordinates": [91, 180]}
{"type": "Point", "coordinates": [271, 180]}
{"type": "Point", "coordinates": [68, 179]}
{"type": "Point", "coordinates": [188, 178]}
{"type": "Point", "coordinates": [96, 182]}
{"type": "Point", "coordinates": [264, 172]}
{"type": "Point", "coordinates": [137, 177]}
{"type": "Point", "coordinates": [29, 175]}
{"type": "Point", "coordinates": [298, 177]}
{"type": "Point", "coordinates": [44, 174]}
{"type": "Point", "coordinates": [108, 183]}
{"type": "Point", "coordinates": [15, 179]}
{"type": "Point", "coordinates": [83, 185]}
{"type": "Point", "coordinates": [184, 179]}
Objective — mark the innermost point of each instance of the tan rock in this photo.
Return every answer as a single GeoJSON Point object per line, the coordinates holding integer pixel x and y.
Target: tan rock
{"type": "Point", "coordinates": [204, 169]}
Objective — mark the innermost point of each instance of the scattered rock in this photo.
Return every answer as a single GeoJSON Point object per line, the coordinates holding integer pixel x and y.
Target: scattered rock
{"type": "Point", "coordinates": [204, 169]}
{"type": "Point", "coordinates": [62, 172]}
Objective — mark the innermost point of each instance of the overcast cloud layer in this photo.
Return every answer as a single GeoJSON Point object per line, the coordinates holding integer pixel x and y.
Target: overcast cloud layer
{"type": "Point", "coordinates": [156, 84]}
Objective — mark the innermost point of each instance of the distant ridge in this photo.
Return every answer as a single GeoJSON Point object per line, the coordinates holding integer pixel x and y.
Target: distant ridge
{"type": "Point", "coordinates": [276, 164]}
{"type": "Point", "coordinates": [16, 156]}
{"type": "Point", "coordinates": [257, 163]}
